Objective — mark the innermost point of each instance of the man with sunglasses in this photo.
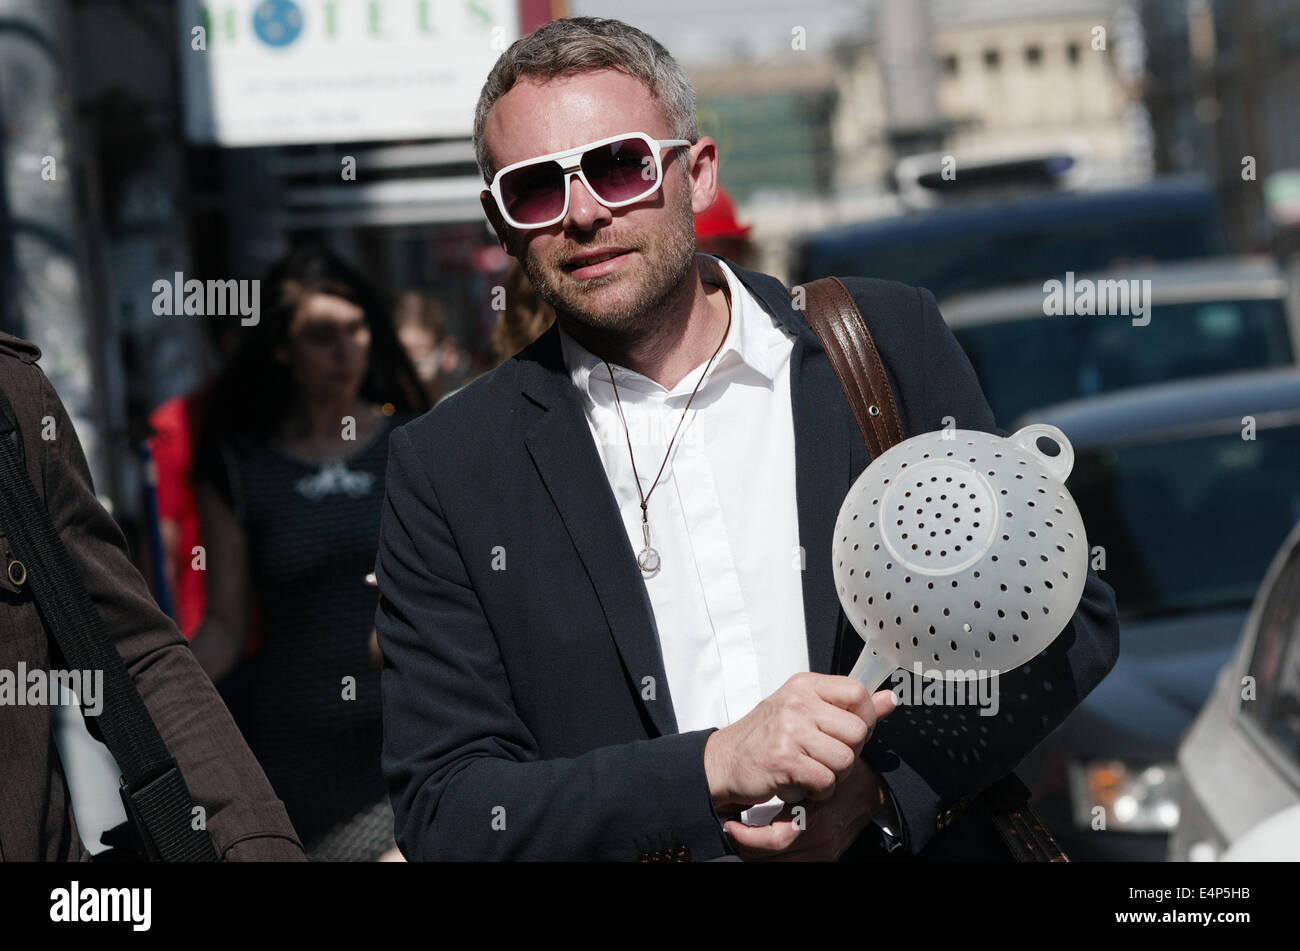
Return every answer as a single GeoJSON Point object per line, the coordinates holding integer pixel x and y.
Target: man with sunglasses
{"type": "Point", "coordinates": [608, 617]}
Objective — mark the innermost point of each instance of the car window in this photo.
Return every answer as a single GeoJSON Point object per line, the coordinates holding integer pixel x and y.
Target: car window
{"type": "Point", "coordinates": [1189, 524]}
{"type": "Point", "coordinates": [1025, 364]}
{"type": "Point", "coordinates": [1275, 664]}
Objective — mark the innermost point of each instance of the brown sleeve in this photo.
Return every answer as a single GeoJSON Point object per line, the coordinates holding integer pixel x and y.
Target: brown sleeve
{"type": "Point", "coordinates": [244, 817]}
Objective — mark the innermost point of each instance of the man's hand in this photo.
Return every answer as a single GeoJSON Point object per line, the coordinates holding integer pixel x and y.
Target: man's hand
{"type": "Point", "coordinates": [798, 743]}
{"type": "Point", "coordinates": [823, 830]}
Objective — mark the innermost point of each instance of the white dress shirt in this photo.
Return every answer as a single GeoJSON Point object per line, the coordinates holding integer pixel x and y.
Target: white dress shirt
{"type": "Point", "coordinates": [727, 596]}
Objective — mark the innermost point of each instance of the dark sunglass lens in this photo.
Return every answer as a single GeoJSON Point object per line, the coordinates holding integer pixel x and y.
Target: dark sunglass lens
{"type": "Point", "coordinates": [534, 193]}
{"type": "Point", "coordinates": [620, 171]}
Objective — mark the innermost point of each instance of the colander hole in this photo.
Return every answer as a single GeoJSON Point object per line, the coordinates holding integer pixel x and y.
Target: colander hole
{"type": "Point", "coordinates": [1024, 615]}
{"type": "Point", "coordinates": [961, 485]}
{"type": "Point", "coordinates": [1011, 515]}
{"type": "Point", "coordinates": [946, 612]}
{"type": "Point", "coordinates": [871, 525]}
{"type": "Point", "coordinates": [930, 585]}
{"type": "Point", "coordinates": [907, 579]}
{"type": "Point", "coordinates": [1023, 563]}
{"type": "Point", "coordinates": [1019, 476]}
{"type": "Point", "coordinates": [936, 660]}
{"type": "Point", "coordinates": [899, 522]}
{"type": "Point", "coordinates": [931, 629]}
{"type": "Point", "coordinates": [976, 574]}
{"type": "Point", "coordinates": [906, 495]}
{"type": "Point", "coordinates": [1048, 523]}
{"type": "Point", "coordinates": [970, 538]}
{"type": "Point", "coordinates": [1071, 534]}
{"type": "Point", "coordinates": [1065, 575]}
{"type": "Point", "coordinates": [871, 599]}
{"type": "Point", "coordinates": [875, 547]}
{"type": "Point", "coordinates": [1048, 583]}
{"type": "Point", "coordinates": [1029, 502]}
{"type": "Point", "coordinates": [898, 646]}
{"type": "Point", "coordinates": [954, 582]}
{"type": "Point", "coordinates": [1041, 490]}
{"type": "Point", "coordinates": [1046, 610]}
{"type": "Point", "coordinates": [1058, 511]}
{"type": "Point", "coordinates": [1022, 462]}
{"type": "Point", "coordinates": [1044, 557]}
{"type": "Point", "coordinates": [887, 595]}
{"type": "Point", "coordinates": [925, 455]}
{"type": "Point", "coordinates": [1006, 538]}
{"type": "Point", "coordinates": [898, 622]}
{"type": "Point", "coordinates": [905, 535]}
{"type": "Point", "coordinates": [1004, 491]}
{"type": "Point", "coordinates": [882, 625]}
{"type": "Point", "coordinates": [855, 597]}
{"type": "Point", "coordinates": [993, 557]}
{"type": "Point", "coordinates": [916, 609]}
{"type": "Point", "coordinates": [1060, 548]}
{"type": "Point", "coordinates": [977, 605]}
{"type": "Point", "coordinates": [1015, 638]}
{"type": "Point", "coordinates": [952, 645]}
{"type": "Point", "coordinates": [977, 655]}
{"type": "Point", "coordinates": [1003, 587]}
{"type": "Point", "coordinates": [1001, 613]}
{"type": "Point", "coordinates": [997, 455]}
{"type": "Point", "coordinates": [993, 637]}
{"type": "Point", "coordinates": [916, 642]}
{"type": "Point", "coordinates": [943, 554]}
{"type": "Point", "coordinates": [1032, 533]}
{"type": "Point", "coordinates": [1028, 590]}
{"type": "Point", "coordinates": [889, 565]}
{"type": "Point", "coordinates": [956, 548]}
{"type": "Point", "coordinates": [855, 546]}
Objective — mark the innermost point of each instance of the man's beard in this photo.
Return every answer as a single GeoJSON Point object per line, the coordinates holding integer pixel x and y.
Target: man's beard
{"type": "Point", "coordinates": [664, 259]}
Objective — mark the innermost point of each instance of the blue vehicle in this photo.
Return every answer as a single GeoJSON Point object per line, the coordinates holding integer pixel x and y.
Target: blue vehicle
{"type": "Point", "coordinates": [1016, 240]}
{"type": "Point", "coordinates": [1186, 490]}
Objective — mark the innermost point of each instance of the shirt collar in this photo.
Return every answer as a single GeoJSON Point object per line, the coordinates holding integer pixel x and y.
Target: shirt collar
{"type": "Point", "coordinates": [748, 339]}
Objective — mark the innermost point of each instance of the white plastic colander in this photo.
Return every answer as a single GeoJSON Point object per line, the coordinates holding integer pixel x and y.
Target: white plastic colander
{"type": "Point", "coordinates": [960, 551]}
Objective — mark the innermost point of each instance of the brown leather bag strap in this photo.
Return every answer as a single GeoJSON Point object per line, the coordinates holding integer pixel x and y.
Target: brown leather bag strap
{"type": "Point", "coordinates": [839, 325]}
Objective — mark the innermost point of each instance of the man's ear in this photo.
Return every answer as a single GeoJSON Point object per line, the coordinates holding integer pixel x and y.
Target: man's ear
{"type": "Point", "coordinates": [494, 218]}
{"type": "Point", "coordinates": [704, 174]}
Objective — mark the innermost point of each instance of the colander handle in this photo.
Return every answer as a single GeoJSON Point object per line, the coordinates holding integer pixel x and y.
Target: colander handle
{"type": "Point", "coordinates": [872, 669]}
{"type": "Point", "coordinates": [1059, 465]}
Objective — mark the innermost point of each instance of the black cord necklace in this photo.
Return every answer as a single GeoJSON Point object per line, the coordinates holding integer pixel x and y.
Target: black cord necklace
{"type": "Point", "coordinates": [648, 559]}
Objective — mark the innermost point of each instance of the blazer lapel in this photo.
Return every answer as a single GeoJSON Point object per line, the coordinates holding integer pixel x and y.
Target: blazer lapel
{"type": "Point", "coordinates": [564, 453]}
{"type": "Point", "coordinates": [829, 455]}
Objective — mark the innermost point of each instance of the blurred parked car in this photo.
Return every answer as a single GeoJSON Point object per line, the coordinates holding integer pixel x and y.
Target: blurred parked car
{"type": "Point", "coordinates": [1210, 316]}
{"type": "Point", "coordinates": [1186, 490]}
{"type": "Point", "coordinates": [1241, 760]}
{"type": "Point", "coordinates": [1013, 240]}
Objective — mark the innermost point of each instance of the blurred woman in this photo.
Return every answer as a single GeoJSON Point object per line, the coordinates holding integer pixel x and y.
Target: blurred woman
{"type": "Point", "coordinates": [289, 475]}
{"type": "Point", "coordinates": [524, 318]}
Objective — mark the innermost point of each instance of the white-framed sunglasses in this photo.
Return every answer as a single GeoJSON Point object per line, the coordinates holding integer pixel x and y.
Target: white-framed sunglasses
{"type": "Point", "coordinates": [618, 171]}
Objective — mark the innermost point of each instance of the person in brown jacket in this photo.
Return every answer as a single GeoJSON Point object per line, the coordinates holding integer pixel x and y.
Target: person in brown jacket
{"type": "Point", "coordinates": [245, 819]}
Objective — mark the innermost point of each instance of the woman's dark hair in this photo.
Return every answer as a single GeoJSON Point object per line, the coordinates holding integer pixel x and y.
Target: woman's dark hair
{"type": "Point", "coordinates": [251, 395]}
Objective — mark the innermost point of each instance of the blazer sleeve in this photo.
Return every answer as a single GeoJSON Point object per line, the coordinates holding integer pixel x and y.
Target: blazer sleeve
{"type": "Point", "coordinates": [244, 818]}
{"type": "Point", "coordinates": [936, 761]}
{"type": "Point", "coordinates": [465, 774]}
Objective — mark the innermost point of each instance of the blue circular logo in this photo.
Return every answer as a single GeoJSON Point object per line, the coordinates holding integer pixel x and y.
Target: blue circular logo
{"type": "Point", "coordinates": [277, 22]}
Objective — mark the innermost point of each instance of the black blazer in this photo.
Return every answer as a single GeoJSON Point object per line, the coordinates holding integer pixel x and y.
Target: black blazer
{"type": "Point", "coordinates": [517, 632]}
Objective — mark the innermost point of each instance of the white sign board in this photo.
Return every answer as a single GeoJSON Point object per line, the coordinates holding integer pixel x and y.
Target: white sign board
{"type": "Point", "coordinates": [277, 72]}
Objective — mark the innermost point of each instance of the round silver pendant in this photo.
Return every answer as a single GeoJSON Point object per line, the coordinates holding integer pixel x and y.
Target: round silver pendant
{"type": "Point", "coordinates": [648, 559]}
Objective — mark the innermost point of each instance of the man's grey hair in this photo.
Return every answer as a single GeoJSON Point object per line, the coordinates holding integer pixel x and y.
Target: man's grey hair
{"type": "Point", "coordinates": [581, 45]}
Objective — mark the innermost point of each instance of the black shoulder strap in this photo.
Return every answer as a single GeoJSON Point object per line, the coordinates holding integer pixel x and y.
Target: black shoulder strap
{"type": "Point", "coordinates": [153, 790]}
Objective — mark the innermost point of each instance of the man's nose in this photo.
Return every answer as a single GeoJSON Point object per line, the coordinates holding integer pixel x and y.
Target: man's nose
{"type": "Point", "coordinates": [585, 212]}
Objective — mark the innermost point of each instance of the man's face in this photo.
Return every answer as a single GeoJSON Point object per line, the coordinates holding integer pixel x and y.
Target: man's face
{"type": "Point", "coordinates": [652, 242]}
